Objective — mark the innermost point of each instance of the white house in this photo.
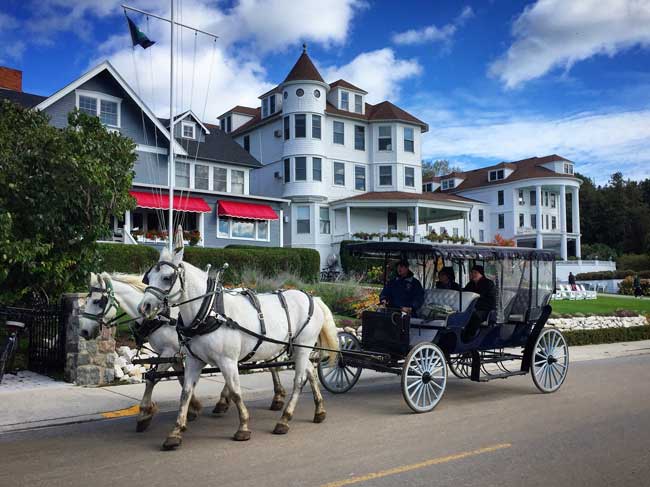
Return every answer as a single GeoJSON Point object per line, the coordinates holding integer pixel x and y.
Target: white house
{"type": "Point", "coordinates": [534, 201]}
{"type": "Point", "coordinates": [346, 165]}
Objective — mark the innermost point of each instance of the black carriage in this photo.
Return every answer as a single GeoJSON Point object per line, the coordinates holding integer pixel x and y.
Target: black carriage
{"type": "Point", "coordinates": [423, 346]}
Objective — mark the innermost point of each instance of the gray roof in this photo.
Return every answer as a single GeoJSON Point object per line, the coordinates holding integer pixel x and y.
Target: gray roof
{"type": "Point", "coordinates": [27, 100]}
{"type": "Point", "coordinates": [217, 147]}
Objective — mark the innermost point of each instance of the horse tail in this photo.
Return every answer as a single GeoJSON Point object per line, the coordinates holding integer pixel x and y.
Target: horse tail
{"type": "Point", "coordinates": [328, 337]}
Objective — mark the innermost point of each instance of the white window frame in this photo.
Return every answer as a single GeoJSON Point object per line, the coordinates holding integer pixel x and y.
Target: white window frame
{"type": "Point", "coordinates": [412, 139]}
{"type": "Point", "coordinates": [497, 175]}
{"type": "Point", "coordinates": [347, 100]}
{"type": "Point", "coordinates": [326, 209]}
{"type": "Point", "coordinates": [101, 96]}
{"type": "Point", "coordinates": [298, 207]}
{"type": "Point", "coordinates": [193, 169]}
{"type": "Point", "coordinates": [334, 163]}
{"type": "Point", "coordinates": [568, 168]}
{"type": "Point", "coordinates": [379, 176]}
{"type": "Point", "coordinates": [380, 137]}
{"type": "Point", "coordinates": [358, 98]}
{"type": "Point", "coordinates": [447, 184]}
{"type": "Point", "coordinates": [192, 125]}
{"type": "Point", "coordinates": [406, 169]}
{"type": "Point", "coordinates": [365, 178]}
{"type": "Point", "coordinates": [334, 132]}
{"type": "Point", "coordinates": [230, 235]}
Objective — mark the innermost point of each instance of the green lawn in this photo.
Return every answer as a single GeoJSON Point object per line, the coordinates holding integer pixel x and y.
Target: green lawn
{"type": "Point", "coordinates": [601, 306]}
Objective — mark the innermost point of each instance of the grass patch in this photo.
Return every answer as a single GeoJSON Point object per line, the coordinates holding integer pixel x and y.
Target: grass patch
{"type": "Point", "coordinates": [604, 305]}
{"type": "Point", "coordinates": [607, 335]}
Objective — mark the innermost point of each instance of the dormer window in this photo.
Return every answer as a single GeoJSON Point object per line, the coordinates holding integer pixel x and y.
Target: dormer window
{"type": "Point", "coordinates": [497, 175]}
{"type": "Point", "coordinates": [271, 104]}
{"type": "Point", "coordinates": [345, 101]}
{"type": "Point", "coordinates": [568, 168]}
{"type": "Point", "coordinates": [226, 124]}
{"type": "Point", "coordinates": [358, 103]}
{"type": "Point", "coordinates": [188, 130]}
{"type": "Point", "coordinates": [447, 184]}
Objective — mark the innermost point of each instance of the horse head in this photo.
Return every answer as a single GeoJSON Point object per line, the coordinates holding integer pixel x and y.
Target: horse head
{"type": "Point", "coordinates": [100, 307]}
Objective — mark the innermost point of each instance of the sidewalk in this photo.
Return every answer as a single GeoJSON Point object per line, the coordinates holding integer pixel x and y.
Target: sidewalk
{"type": "Point", "coordinates": [64, 403]}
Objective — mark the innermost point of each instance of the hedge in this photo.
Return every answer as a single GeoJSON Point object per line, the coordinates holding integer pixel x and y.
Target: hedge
{"type": "Point", "coordinates": [357, 265]}
{"type": "Point", "coordinates": [269, 261]}
{"type": "Point", "coordinates": [607, 335]}
{"type": "Point", "coordinates": [626, 286]}
{"type": "Point", "coordinates": [618, 274]}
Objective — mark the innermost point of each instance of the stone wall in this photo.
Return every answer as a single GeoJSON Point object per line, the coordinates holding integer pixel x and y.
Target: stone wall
{"type": "Point", "coordinates": [88, 362]}
{"type": "Point", "coordinates": [597, 322]}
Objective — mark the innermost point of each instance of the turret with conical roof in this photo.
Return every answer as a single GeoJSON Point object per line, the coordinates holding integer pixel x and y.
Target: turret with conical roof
{"type": "Point", "coordinates": [304, 69]}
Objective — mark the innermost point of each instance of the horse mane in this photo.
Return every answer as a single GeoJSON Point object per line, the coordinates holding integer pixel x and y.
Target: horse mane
{"type": "Point", "coordinates": [133, 280]}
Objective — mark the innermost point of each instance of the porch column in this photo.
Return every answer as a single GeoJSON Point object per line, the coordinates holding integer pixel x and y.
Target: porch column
{"type": "Point", "coordinates": [575, 219]}
{"type": "Point", "coordinates": [515, 211]}
{"type": "Point", "coordinates": [347, 220]}
{"type": "Point", "coordinates": [416, 222]}
{"type": "Point", "coordinates": [563, 237]}
{"type": "Point", "coordinates": [126, 230]}
{"type": "Point", "coordinates": [539, 243]}
{"type": "Point", "coordinates": [202, 229]}
{"type": "Point", "coordinates": [466, 224]}
{"type": "Point", "coordinates": [281, 224]}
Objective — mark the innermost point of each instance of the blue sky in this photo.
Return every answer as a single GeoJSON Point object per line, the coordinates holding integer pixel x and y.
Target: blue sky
{"type": "Point", "coordinates": [495, 80]}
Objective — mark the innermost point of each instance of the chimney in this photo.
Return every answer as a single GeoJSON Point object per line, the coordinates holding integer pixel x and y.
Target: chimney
{"type": "Point", "coordinates": [11, 79]}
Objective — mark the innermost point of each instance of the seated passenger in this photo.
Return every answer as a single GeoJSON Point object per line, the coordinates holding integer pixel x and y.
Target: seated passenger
{"type": "Point", "coordinates": [447, 279]}
{"type": "Point", "coordinates": [486, 302]}
{"type": "Point", "coordinates": [404, 292]}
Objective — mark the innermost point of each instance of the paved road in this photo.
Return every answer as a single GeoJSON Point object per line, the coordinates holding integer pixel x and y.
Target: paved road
{"type": "Point", "coordinates": [595, 432]}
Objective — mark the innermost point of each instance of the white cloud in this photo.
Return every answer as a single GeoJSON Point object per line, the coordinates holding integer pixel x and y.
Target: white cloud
{"type": "Point", "coordinates": [556, 33]}
{"type": "Point", "coordinates": [378, 72]}
{"type": "Point", "coordinates": [432, 33]}
{"type": "Point", "coordinates": [600, 143]}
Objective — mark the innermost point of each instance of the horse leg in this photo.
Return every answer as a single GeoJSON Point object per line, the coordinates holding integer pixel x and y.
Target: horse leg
{"type": "Point", "coordinates": [319, 411]}
{"type": "Point", "coordinates": [147, 407]}
{"type": "Point", "coordinates": [278, 391]}
{"type": "Point", "coordinates": [224, 401]}
{"type": "Point", "coordinates": [301, 361]}
{"type": "Point", "coordinates": [231, 375]}
{"type": "Point", "coordinates": [195, 408]}
{"type": "Point", "coordinates": [193, 367]}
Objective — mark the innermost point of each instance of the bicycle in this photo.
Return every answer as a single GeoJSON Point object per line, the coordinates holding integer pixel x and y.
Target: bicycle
{"type": "Point", "coordinates": [10, 346]}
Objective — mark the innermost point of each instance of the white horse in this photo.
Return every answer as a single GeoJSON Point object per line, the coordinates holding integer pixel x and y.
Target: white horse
{"type": "Point", "coordinates": [174, 281]}
{"type": "Point", "coordinates": [110, 292]}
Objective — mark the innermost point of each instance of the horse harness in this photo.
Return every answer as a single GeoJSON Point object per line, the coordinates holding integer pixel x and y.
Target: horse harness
{"type": "Point", "coordinates": [212, 316]}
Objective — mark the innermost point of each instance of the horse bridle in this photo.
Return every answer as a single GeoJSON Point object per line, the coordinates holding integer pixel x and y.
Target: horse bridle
{"type": "Point", "coordinates": [165, 295]}
{"type": "Point", "coordinates": [107, 302]}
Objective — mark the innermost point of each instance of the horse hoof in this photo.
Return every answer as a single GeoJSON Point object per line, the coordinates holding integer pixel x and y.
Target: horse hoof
{"type": "Point", "coordinates": [277, 405]}
{"type": "Point", "coordinates": [220, 408]}
{"type": "Point", "coordinates": [320, 417]}
{"type": "Point", "coordinates": [143, 424]}
{"type": "Point", "coordinates": [171, 443]}
{"type": "Point", "coordinates": [242, 436]}
{"type": "Point", "coordinates": [281, 429]}
{"type": "Point", "coordinates": [192, 415]}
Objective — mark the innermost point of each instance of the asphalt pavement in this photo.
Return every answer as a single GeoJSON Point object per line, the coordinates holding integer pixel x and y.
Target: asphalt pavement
{"type": "Point", "coordinates": [595, 431]}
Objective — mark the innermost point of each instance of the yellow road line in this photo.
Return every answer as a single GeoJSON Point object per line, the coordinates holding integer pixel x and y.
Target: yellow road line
{"type": "Point", "coordinates": [121, 413]}
{"type": "Point", "coordinates": [415, 466]}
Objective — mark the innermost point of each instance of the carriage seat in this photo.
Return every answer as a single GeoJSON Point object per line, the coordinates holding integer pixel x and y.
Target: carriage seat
{"type": "Point", "coordinates": [449, 299]}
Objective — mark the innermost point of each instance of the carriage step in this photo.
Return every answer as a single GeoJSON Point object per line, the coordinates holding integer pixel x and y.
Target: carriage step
{"type": "Point", "coordinates": [156, 360]}
{"type": "Point", "coordinates": [505, 375]}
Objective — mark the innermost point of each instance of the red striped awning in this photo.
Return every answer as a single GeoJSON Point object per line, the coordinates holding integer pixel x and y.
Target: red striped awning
{"type": "Point", "coordinates": [192, 204]}
{"type": "Point", "coordinates": [251, 211]}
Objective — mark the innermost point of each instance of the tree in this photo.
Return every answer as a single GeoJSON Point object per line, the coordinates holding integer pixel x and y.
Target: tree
{"type": "Point", "coordinates": [439, 167]}
{"type": "Point", "coordinates": [58, 190]}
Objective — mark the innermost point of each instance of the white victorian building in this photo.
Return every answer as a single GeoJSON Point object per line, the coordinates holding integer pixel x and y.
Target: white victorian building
{"type": "Point", "coordinates": [347, 166]}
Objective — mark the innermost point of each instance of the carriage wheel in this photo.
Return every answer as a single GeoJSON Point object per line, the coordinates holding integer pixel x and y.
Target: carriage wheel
{"type": "Point", "coordinates": [424, 377]}
{"type": "Point", "coordinates": [340, 377]}
{"type": "Point", "coordinates": [550, 360]}
{"type": "Point", "coordinates": [461, 365]}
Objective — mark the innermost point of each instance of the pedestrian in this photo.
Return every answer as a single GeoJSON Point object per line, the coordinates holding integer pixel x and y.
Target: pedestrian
{"type": "Point", "coordinates": [572, 281]}
{"type": "Point", "coordinates": [638, 292]}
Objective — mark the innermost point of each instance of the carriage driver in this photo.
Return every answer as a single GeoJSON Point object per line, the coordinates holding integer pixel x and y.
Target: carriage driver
{"type": "Point", "coordinates": [404, 292]}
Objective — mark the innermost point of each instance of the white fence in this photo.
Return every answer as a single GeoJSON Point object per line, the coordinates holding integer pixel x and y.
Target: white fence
{"type": "Point", "coordinates": [580, 266]}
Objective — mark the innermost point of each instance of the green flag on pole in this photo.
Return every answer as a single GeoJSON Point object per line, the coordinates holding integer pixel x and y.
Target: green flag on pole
{"type": "Point", "coordinates": [138, 37]}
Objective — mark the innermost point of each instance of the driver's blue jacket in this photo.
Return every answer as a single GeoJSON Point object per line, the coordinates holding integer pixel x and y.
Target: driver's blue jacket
{"type": "Point", "coordinates": [400, 292]}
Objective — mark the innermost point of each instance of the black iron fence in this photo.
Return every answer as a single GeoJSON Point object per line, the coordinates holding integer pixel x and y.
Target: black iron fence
{"type": "Point", "coordinates": [42, 344]}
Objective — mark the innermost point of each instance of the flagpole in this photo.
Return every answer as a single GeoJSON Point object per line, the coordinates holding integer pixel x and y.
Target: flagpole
{"type": "Point", "coordinates": [172, 138]}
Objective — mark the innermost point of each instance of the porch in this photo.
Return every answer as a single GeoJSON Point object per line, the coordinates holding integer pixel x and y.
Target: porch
{"type": "Point", "coordinates": [395, 216]}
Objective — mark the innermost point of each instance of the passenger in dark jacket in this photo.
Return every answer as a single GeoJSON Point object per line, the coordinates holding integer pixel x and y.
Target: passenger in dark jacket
{"type": "Point", "coordinates": [404, 292]}
{"type": "Point", "coordinates": [486, 302]}
{"type": "Point", "coordinates": [447, 279]}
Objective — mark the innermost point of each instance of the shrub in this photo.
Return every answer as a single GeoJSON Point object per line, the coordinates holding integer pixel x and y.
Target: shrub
{"type": "Point", "coordinates": [133, 259]}
{"type": "Point", "coordinates": [266, 261]}
{"type": "Point", "coordinates": [635, 262]}
{"type": "Point", "coordinates": [598, 251]}
{"type": "Point", "coordinates": [353, 265]}
{"type": "Point", "coordinates": [618, 274]}
{"type": "Point", "coordinates": [626, 286]}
